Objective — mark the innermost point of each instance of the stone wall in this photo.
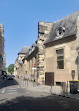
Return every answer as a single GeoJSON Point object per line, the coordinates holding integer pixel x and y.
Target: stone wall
{"type": "Point", "coordinates": [19, 66]}
{"type": "Point", "coordinates": [70, 61]}
{"type": "Point", "coordinates": [31, 72]}
{"type": "Point", "coordinates": [43, 33]}
{"type": "Point", "coordinates": [78, 46]}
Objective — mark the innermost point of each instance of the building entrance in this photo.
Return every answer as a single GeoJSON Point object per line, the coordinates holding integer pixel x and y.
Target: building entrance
{"type": "Point", "coordinates": [49, 78]}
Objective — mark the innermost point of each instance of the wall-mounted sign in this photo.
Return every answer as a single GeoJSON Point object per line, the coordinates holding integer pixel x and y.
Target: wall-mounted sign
{"type": "Point", "coordinates": [33, 68]}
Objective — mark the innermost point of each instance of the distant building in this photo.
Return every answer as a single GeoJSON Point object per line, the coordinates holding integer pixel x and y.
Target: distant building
{"type": "Point", "coordinates": [30, 63]}
{"type": "Point", "coordinates": [18, 63]}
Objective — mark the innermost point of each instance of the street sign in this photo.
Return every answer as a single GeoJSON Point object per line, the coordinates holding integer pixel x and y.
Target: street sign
{"type": "Point", "coordinates": [33, 68]}
{"type": "Point", "coordinates": [34, 65]}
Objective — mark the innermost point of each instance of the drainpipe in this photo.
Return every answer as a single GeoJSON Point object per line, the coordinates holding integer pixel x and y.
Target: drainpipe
{"type": "Point", "coordinates": [78, 65]}
{"type": "Point", "coordinates": [78, 61]}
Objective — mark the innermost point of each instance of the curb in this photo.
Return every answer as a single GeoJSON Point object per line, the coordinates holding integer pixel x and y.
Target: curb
{"type": "Point", "coordinates": [65, 96]}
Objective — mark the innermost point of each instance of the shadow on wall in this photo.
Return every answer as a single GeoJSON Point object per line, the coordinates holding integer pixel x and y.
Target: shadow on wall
{"type": "Point", "coordinates": [76, 61]}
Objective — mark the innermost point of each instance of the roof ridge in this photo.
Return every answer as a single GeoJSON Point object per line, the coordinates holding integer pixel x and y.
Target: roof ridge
{"type": "Point", "coordinates": [68, 16]}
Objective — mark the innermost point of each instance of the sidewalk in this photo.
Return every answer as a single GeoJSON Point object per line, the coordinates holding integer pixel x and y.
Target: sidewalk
{"type": "Point", "coordinates": [54, 90]}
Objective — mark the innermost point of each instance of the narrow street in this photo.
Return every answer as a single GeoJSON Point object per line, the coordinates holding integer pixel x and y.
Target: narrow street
{"type": "Point", "coordinates": [11, 87]}
{"type": "Point", "coordinates": [14, 97]}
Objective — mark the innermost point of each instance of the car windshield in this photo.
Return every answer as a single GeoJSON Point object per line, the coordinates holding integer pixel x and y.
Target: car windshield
{"type": "Point", "coordinates": [10, 76]}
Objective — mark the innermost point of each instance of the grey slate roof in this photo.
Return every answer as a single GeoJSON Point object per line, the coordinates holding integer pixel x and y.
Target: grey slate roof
{"type": "Point", "coordinates": [31, 49]}
{"type": "Point", "coordinates": [24, 50]}
{"type": "Point", "coordinates": [68, 26]}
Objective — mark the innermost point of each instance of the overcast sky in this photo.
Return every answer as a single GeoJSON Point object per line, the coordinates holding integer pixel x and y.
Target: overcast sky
{"type": "Point", "coordinates": [20, 19]}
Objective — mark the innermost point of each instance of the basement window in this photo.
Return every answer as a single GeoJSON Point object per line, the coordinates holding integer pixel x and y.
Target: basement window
{"type": "Point", "coordinates": [58, 83]}
{"type": "Point", "coordinates": [60, 58]}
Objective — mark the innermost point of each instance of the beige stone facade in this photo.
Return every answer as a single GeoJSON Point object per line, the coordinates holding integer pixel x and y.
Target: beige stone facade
{"type": "Point", "coordinates": [69, 44]}
{"type": "Point", "coordinates": [31, 69]}
{"type": "Point", "coordinates": [43, 32]}
{"type": "Point", "coordinates": [70, 57]}
{"type": "Point", "coordinates": [54, 54]}
{"type": "Point", "coordinates": [20, 67]}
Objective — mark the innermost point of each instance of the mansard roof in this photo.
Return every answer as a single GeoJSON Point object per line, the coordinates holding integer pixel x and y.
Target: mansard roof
{"type": "Point", "coordinates": [32, 50]}
{"type": "Point", "coordinates": [24, 50]}
{"type": "Point", "coordinates": [63, 28]}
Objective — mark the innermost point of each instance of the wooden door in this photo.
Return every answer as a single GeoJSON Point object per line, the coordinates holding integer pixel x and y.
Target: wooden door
{"type": "Point", "coordinates": [49, 78]}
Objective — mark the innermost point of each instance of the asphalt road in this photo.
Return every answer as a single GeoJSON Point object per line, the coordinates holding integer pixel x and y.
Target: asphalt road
{"type": "Point", "coordinates": [14, 97]}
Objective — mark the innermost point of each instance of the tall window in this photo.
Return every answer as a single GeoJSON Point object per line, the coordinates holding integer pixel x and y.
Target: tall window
{"type": "Point", "coordinates": [60, 58]}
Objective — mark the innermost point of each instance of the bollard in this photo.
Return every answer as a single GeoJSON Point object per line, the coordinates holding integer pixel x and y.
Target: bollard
{"type": "Point", "coordinates": [33, 82]}
{"type": "Point", "coordinates": [64, 88]}
{"type": "Point", "coordinates": [51, 89]}
{"type": "Point", "coordinates": [67, 89]}
{"type": "Point", "coordinates": [27, 82]}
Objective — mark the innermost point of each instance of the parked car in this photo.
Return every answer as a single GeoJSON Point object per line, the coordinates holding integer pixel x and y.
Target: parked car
{"type": "Point", "coordinates": [10, 77]}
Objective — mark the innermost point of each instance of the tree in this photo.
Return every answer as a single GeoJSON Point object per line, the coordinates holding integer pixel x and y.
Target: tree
{"type": "Point", "coordinates": [11, 68]}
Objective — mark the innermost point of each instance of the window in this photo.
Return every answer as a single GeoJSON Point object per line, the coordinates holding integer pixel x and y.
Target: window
{"type": "Point", "coordinates": [58, 83]}
{"type": "Point", "coordinates": [60, 58]}
{"type": "Point", "coordinates": [60, 31]}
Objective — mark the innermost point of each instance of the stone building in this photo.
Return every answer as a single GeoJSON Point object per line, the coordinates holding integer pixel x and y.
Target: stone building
{"type": "Point", "coordinates": [31, 60]}
{"type": "Point", "coordinates": [55, 53]}
{"type": "Point", "coordinates": [61, 57]}
{"type": "Point", "coordinates": [26, 63]}
{"type": "Point", "coordinates": [2, 57]}
{"type": "Point", "coordinates": [33, 63]}
{"type": "Point", "coordinates": [18, 67]}
{"type": "Point", "coordinates": [43, 33]}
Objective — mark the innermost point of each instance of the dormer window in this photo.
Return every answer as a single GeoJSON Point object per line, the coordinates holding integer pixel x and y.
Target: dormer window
{"type": "Point", "coordinates": [60, 31]}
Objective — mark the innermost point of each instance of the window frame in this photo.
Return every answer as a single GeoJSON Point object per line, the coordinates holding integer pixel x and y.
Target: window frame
{"type": "Point", "coordinates": [60, 55]}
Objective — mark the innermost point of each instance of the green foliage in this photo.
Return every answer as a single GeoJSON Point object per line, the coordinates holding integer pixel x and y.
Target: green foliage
{"type": "Point", "coordinates": [11, 68]}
